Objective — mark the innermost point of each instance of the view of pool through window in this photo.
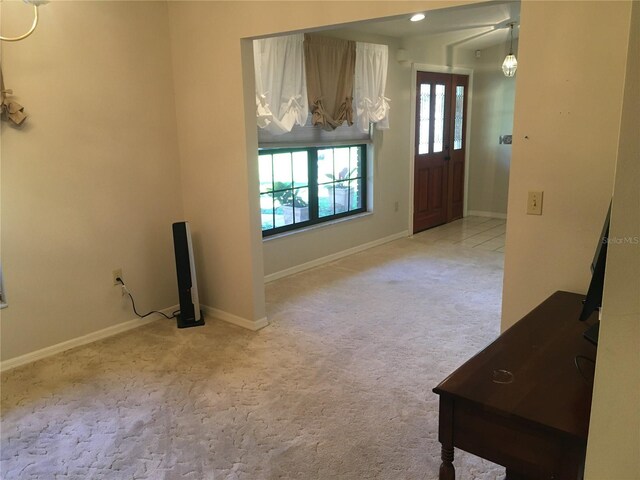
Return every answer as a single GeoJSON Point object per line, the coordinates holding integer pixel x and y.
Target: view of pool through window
{"type": "Point", "coordinates": [304, 186]}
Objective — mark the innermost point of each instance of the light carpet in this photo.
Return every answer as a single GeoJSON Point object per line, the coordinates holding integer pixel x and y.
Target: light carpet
{"type": "Point", "coordinates": [337, 387]}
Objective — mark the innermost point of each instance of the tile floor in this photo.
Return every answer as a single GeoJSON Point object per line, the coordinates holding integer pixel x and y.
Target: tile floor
{"type": "Point", "coordinates": [475, 232]}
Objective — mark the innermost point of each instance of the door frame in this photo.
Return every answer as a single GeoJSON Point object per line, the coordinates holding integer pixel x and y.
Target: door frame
{"type": "Point", "coordinates": [425, 67]}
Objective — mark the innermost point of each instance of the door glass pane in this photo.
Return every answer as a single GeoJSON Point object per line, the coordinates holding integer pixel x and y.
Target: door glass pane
{"type": "Point", "coordinates": [457, 124]}
{"type": "Point", "coordinates": [423, 133]}
{"type": "Point", "coordinates": [438, 121]}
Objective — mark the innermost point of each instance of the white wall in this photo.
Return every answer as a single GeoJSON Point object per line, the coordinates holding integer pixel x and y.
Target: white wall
{"type": "Point", "coordinates": [390, 174]}
{"type": "Point", "coordinates": [432, 49]}
{"type": "Point", "coordinates": [216, 133]}
{"type": "Point", "coordinates": [493, 104]}
{"type": "Point", "coordinates": [567, 121]}
{"type": "Point", "coordinates": [614, 432]}
{"type": "Point", "coordinates": [90, 183]}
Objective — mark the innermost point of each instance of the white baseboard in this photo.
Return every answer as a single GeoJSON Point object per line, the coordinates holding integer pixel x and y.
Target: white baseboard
{"type": "Point", "coordinates": [334, 256]}
{"type": "Point", "coordinates": [479, 213]}
{"type": "Point", "coordinates": [79, 341]}
{"type": "Point", "coordinates": [234, 319]}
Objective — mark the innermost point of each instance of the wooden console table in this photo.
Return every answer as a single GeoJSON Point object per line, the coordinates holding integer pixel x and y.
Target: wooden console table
{"type": "Point", "coordinates": [522, 402]}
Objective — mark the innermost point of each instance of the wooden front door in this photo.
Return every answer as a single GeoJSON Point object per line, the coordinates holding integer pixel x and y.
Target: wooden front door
{"type": "Point", "coordinates": [439, 149]}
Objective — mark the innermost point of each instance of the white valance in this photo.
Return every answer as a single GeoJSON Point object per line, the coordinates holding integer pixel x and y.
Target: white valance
{"type": "Point", "coordinates": [281, 85]}
{"type": "Point", "coordinates": [371, 106]}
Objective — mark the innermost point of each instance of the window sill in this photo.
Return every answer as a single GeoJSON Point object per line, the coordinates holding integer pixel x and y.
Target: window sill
{"type": "Point", "coordinates": [317, 226]}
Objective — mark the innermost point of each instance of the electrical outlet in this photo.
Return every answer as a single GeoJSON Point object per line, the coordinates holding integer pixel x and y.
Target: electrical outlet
{"type": "Point", "coordinates": [117, 274]}
{"type": "Point", "coordinates": [534, 203]}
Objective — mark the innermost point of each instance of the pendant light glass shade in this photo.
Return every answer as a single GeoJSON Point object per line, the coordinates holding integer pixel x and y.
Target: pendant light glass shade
{"type": "Point", "coordinates": [510, 64]}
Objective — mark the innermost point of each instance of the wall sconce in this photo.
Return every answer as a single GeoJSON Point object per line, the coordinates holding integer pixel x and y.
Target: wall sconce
{"type": "Point", "coordinates": [35, 4]}
{"type": "Point", "coordinates": [510, 64]}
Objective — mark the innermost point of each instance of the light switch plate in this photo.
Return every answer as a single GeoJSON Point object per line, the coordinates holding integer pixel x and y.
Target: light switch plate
{"type": "Point", "coordinates": [534, 203]}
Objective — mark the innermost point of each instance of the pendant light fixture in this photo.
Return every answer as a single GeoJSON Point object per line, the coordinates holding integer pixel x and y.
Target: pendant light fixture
{"type": "Point", "coordinates": [510, 64]}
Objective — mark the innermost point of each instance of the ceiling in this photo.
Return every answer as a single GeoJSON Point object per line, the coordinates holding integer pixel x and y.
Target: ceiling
{"type": "Point", "coordinates": [473, 27]}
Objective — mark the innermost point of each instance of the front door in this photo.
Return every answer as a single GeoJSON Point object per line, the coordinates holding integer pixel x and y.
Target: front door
{"type": "Point", "coordinates": [439, 149]}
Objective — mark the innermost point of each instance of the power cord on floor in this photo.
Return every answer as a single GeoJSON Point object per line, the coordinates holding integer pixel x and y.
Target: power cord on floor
{"type": "Point", "coordinates": [133, 304]}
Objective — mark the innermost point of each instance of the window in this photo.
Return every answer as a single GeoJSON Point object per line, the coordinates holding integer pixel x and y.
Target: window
{"type": "Point", "coordinates": [308, 185]}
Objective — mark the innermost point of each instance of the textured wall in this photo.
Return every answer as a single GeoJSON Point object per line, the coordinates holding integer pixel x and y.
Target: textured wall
{"type": "Point", "coordinates": [389, 170]}
{"type": "Point", "coordinates": [567, 120]}
{"type": "Point", "coordinates": [614, 433]}
{"type": "Point", "coordinates": [90, 183]}
{"type": "Point", "coordinates": [493, 102]}
{"type": "Point", "coordinates": [216, 130]}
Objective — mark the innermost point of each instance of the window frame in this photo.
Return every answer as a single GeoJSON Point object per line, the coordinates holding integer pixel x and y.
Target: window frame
{"type": "Point", "coordinates": [314, 185]}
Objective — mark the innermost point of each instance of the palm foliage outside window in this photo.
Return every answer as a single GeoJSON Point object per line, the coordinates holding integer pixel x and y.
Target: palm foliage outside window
{"type": "Point", "coordinates": [304, 186]}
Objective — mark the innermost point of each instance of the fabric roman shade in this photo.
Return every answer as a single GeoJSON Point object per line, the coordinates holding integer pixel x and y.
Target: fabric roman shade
{"type": "Point", "coordinates": [330, 69]}
{"type": "Point", "coordinates": [371, 106]}
{"type": "Point", "coordinates": [281, 89]}
{"type": "Point", "coordinates": [315, 90]}
{"type": "Point", "coordinates": [308, 135]}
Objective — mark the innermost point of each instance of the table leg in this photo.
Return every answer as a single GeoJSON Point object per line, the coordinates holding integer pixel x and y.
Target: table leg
{"type": "Point", "coordinates": [445, 435]}
{"type": "Point", "coordinates": [447, 470]}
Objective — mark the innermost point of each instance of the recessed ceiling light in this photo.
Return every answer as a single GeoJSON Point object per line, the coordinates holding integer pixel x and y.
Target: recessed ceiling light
{"type": "Point", "coordinates": [417, 17]}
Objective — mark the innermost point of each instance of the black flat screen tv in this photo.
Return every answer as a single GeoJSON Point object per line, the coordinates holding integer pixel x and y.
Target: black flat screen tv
{"type": "Point", "coordinates": [593, 300]}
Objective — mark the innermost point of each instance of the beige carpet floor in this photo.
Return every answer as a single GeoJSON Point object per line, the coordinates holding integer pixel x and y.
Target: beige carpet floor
{"type": "Point", "coordinates": [337, 387]}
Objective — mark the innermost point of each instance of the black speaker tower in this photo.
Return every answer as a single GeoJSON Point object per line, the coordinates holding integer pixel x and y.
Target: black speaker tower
{"type": "Point", "coordinates": [190, 313]}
